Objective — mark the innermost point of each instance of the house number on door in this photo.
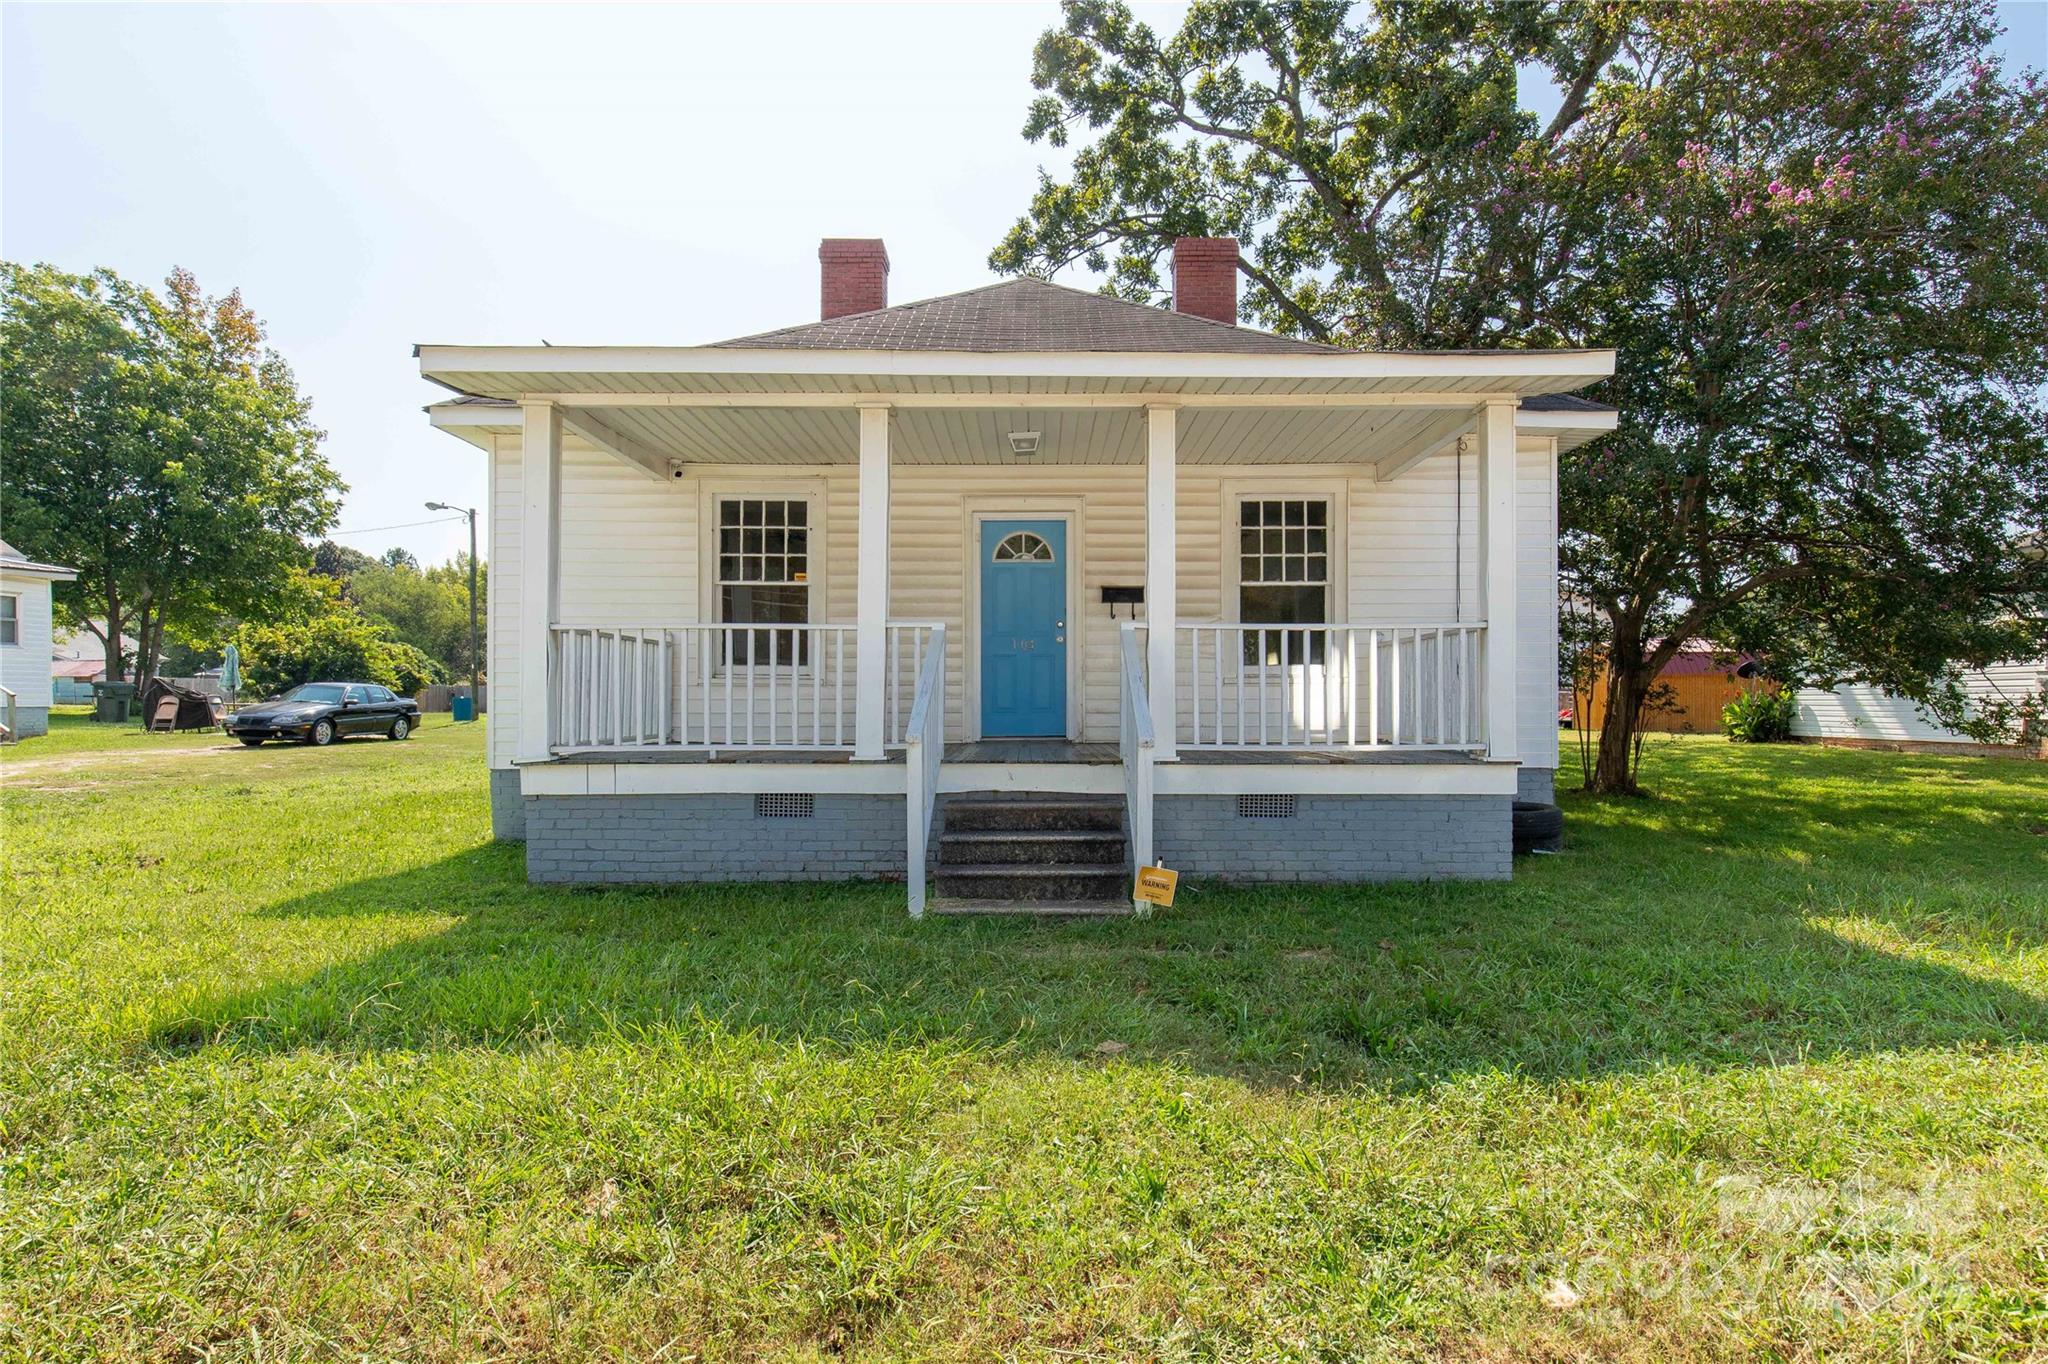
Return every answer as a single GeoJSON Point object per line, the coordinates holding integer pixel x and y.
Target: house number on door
{"type": "Point", "coordinates": [1024, 644]}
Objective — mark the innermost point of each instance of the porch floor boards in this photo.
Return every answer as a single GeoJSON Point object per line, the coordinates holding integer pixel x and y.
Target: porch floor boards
{"type": "Point", "coordinates": [1061, 751]}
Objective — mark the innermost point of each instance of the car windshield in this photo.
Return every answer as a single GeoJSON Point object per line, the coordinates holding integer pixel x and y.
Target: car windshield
{"type": "Point", "coordinates": [315, 691]}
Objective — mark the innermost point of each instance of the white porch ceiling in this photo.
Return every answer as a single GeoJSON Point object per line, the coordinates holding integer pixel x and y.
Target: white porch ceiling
{"type": "Point", "coordinates": [783, 436]}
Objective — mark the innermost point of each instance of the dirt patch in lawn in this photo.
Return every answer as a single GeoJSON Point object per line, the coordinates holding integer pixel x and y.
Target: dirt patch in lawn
{"type": "Point", "coordinates": [40, 768]}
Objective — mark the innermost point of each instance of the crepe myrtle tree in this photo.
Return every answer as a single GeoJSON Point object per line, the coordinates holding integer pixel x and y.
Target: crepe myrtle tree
{"type": "Point", "coordinates": [1813, 233]}
{"type": "Point", "coordinates": [1824, 246]}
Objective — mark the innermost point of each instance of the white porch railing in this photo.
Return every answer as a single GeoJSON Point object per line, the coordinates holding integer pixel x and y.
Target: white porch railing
{"type": "Point", "coordinates": [924, 747]}
{"type": "Point", "coordinates": [9, 725]}
{"type": "Point", "coordinates": [1330, 686]}
{"type": "Point", "coordinates": [1135, 744]}
{"type": "Point", "coordinates": [720, 686]}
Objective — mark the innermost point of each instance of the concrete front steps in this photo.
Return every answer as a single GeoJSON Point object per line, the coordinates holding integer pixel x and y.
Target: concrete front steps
{"type": "Point", "coordinates": [1049, 854]}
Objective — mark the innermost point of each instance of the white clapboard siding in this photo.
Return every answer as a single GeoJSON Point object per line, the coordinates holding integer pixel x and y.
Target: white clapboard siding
{"type": "Point", "coordinates": [1536, 592]}
{"type": "Point", "coordinates": [1861, 711]}
{"type": "Point", "coordinates": [502, 603]}
{"type": "Point", "coordinates": [25, 665]}
{"type": "Point", "coordinates": [931, 562]}
{"type": "Point", "coordinates": [632, 556]}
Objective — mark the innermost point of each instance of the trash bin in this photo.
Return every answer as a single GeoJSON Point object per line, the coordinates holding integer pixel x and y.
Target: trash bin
{"type": "Point", "coordinates": [462, 707]}
{"type": "Point", "coordinates": [111, 701]}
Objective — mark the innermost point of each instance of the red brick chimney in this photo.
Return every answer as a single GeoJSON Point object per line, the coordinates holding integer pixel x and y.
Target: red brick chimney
{"type": "Point", "coordinates": [1205, 278]}
{"type": "Point", "coordinates": [853, 276]}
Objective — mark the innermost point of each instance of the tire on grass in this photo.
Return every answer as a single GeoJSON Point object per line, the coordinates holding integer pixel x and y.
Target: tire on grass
{"type": "Point", "coordinates": [1538, 827]}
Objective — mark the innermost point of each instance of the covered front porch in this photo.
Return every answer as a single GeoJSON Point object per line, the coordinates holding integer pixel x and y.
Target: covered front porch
{"type": "Point", "coordinates": [1373, 497]}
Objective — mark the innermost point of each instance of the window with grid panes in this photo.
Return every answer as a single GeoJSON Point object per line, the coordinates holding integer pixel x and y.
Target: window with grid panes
{"type": "Point", "coordinates": [764, 561]}
{"type": "Point", "coordinates": [1283, 576]}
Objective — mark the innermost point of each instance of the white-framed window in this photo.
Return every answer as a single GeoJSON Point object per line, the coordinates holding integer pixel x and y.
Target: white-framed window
{"type": "Point", "coordinates": [763, 574]}
{"type": "Point", "coordinates": [10, 619]}
{"type": "Point", "coordinates": [1284, 575]}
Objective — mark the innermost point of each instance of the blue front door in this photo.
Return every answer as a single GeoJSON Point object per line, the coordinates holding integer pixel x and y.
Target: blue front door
{"type": "Point", "coordinates": [1023, 629]}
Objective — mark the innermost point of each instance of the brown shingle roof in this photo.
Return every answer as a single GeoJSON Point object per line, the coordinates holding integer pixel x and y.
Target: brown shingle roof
{"type": "Point", "coordinates": [1562, 402]}
{"type": "Point", "coordinates": [1026, 315]}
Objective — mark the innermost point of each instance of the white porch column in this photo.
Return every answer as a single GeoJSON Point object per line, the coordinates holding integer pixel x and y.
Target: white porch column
{"type": "Point", "coordinates": [1161, 606]}
{"type": "Point", "coordinates": [540, 495]}
{"type": "Point", "coordinates": [871, 598]}
{"type": "Point", "coordinates": [1497, 572]}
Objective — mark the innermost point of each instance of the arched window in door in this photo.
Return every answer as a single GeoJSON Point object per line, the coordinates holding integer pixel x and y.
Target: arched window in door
{"type": "Point", "coordinates": [1023, 547]}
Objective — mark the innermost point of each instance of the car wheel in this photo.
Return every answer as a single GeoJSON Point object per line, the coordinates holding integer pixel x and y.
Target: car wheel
{"type": "Point", "coordinates": [252, 743]}
{"type": "Point", "coordinates": [322, 734]}
{"type": "Point", "coordinates": [400, 728]}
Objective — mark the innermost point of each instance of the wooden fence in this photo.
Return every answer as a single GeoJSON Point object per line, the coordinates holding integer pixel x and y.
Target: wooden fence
{"type": "Point", "coordinates": [434, 700]}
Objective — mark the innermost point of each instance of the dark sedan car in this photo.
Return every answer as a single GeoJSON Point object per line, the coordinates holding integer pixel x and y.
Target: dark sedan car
{"type": "Point", "coordinates": [321, 712]}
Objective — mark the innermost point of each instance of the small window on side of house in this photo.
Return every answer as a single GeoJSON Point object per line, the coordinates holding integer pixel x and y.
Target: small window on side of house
{"type": "Point", "coordinates": [10, 619]}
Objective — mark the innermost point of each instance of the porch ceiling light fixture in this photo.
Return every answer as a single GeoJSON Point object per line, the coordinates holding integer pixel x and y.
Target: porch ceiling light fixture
{"type": "Point", "coordinates": [1023, 442]}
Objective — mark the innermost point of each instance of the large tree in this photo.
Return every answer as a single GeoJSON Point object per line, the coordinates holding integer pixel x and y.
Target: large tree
{"type": "Point", "coordinates": [1823, 259]}
{"type": "Point", "coordinates": [1814, 233]}
{"type": "Point", "coordinates": [1345, 147]}
{"type": "Point", "coordinates": [154, 442]}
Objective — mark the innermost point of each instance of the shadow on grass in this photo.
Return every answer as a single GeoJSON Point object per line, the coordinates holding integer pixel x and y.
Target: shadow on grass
{"type": "Point", "coordinates": [1684, 930]}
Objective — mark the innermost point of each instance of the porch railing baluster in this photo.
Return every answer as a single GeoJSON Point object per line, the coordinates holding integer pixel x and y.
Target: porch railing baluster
{"type": "Point", "coordinates": [1415, 686]}
{"type": "Point", "coordinates": [713, 686]}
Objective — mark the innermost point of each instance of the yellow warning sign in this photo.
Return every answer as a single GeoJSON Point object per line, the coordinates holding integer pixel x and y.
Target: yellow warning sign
{"type": "Point", "coordinates": [1155, 885]}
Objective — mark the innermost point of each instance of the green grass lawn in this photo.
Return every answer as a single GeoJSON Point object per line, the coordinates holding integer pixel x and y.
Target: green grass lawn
{"type": "Point", "coordinates": [293, 1063]}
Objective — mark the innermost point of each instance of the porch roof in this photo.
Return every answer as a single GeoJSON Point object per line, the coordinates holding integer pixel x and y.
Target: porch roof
{"type": "Point", "coordinates": [964, 371]}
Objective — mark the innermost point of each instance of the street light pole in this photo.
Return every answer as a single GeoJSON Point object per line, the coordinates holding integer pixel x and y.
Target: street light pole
{"type": "Point", "coordinates": [475, 656]}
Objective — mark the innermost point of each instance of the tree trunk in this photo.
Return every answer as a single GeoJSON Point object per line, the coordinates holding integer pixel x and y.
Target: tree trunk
{"type": "Point", "coordinates": [117, 661]}
{"type": "Point", "coordinates": [1628, 682]}
{"type": "Point", "coordinates": [152, 647]}
{"type": "Point", "coordinates": [146, 625]}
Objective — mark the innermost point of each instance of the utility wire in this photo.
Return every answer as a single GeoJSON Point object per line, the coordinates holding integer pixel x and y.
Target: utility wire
{"type": "Point", "coordinates": [403, 525]}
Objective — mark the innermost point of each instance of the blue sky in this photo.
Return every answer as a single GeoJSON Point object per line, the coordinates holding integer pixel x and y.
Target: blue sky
{"type": "Point", "coordinates": [370, 177]}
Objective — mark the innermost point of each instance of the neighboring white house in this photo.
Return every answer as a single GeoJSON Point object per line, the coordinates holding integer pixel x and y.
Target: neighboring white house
{"type": "Point", "coordinates": [81, 660]}
{"type": "Point", "coordinates": [25, 652]}
{"type": "Point", "coordinates": [1862, 715]}
{"type": "Point", "coordinates": [1023, 585]}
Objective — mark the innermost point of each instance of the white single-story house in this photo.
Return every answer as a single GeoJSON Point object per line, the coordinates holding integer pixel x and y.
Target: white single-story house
{"type": "Point", "coordinates": [1858, 715]}
{"type": "Point", "coordinates": [25, 653]}
{"type": "Point", "coordinates": [81, 660]}
{"type": "Point", "coordinates": [1020, 587]}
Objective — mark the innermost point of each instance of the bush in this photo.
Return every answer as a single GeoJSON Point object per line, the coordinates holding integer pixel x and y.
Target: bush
{"type": "Point", "coordinates": [1763, 716]}
{"type": "Point", "coordinates": [338, 645]}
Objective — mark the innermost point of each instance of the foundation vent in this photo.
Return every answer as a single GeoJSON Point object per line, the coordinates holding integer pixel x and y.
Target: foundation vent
{"type": "Point", "coordinates": [1265, 807]}
{"type": "Point", "coordinates": [786, 805]}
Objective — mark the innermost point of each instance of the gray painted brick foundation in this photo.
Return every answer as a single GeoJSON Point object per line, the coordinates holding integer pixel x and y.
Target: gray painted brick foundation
{"type": "Point", "coordinates": [30, 721]}
{"type": "Point", "coordinates": [1537, 784]}
{"type": "Point", "coordinates": [1338, 838]}
{"type": "Point", "coordinates": [678, 838]}
{"type": "Point", "coordinates": [644, 839]}
{"type": "Point", "coordinates": [508, 816]}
